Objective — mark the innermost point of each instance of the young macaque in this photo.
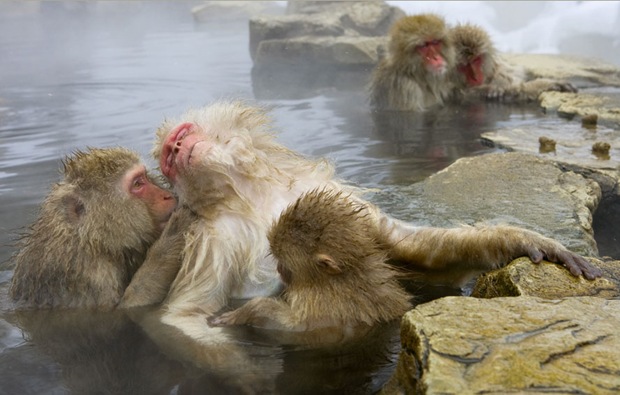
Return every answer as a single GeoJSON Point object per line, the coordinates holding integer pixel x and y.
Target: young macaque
{"type": "Point", "coordinates": [227, 168]}
{"type": "Point", "coordinates": [414, 74]}
{"type": "Point", "coordinates": [333, 264]}
{"type": "Point", "coordinates": [92, 233]}
{"type": "Point", "coordinates": [480, 72]}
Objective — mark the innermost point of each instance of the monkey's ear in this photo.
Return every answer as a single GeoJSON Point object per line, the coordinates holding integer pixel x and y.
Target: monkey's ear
{"type": "Point", "coordinates": [73, 207]}
{"type": "Point", "coordinates": [328, 263]}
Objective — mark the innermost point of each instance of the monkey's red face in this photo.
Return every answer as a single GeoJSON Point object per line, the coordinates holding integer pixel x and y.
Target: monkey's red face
{"type": "Point", "coordinates": [430, 52]}
{"type": "Point", "coordinates": [159, 202]}
{"type": "Point", "coordinates": [178, 149]}
{"type": "Point", "coordinates": [472, 71]}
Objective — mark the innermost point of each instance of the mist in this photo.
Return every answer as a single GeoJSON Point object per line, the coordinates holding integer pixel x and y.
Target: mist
{"type": "Point", "coordinates": [582, 28]}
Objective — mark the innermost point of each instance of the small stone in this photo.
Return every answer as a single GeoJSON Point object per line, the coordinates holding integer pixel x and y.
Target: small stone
{"type": "Point", "coordinates": [600, 149]}
{"type": "Point", "coordinates": [589, 121]}
{"type": "Point", "coordinates": [546, 144]}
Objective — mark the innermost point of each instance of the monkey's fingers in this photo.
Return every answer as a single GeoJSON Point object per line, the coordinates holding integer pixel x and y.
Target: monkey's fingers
{"type": "Point", "coordinates": [535, 255]}
{"type": "Point", "coordinates": [575, 263]}
{"type": "Point", "coordinates": [579, 265]}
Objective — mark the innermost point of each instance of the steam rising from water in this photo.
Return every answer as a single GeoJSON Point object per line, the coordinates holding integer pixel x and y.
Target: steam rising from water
{"type": "Point", "coordinates": [585, 28]}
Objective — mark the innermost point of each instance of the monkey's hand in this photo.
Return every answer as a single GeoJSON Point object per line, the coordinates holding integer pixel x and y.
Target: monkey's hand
{"type": "Point", "coordinates": [152, 281]}
{"type": "Point", "coordinates": [495, 93]}
{"type": "Point", "coordinates": [539, 248]}
{"type": "Point", "coordinates": [269, 313]}
{"type": "Point", "coordinates": [530, 90]}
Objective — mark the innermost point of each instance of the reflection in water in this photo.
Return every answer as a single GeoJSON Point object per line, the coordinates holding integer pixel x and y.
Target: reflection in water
{"type": "Point", "coordinates": [85, 352]}
{"type": "Point", "coordinates": [73, 79]}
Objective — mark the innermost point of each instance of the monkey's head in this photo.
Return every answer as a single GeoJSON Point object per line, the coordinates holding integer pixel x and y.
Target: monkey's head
{"type": "Point", "coordinates": [110, 198]}
{"type": "Point", "coordinates": [106, 209]}
{"type": "Point", "coordinates": [212, 150]}
{"type": "Point", "coordinates": [323, 234]}
{"type": "Point", "coordinates": [422, 42]}
{"type": "Point", "coordinates": [474, 54]}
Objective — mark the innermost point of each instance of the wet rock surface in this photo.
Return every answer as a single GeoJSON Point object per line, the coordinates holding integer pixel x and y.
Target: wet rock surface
{"type": "Point", "coordinates": [573, 142]}
{"type": "Point", "coordinates": [511, 188]}
{"type": "Point", "coordinates": [581, 72]}
{"type": "Point", "coordinates": [461, 345]}
{"type": "Point", "coordinates": [547, 280]}
{"type": "Point", "coordinates": [604, 104]}
{"type": "Point", "coordinates": [308, 22]}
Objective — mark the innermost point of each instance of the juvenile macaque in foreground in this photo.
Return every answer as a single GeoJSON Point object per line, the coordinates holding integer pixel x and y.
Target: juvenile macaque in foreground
{"type": "Point", "coordinates": [92, 233]}
{"type": "Point", "coordinates": [333, 264]}
{"type": "Point", "coordinates": [226, 166]}
{"type": "Point", "coordinates": [414, 75]}
{"type": "Point", "coordinates": [480, 71]}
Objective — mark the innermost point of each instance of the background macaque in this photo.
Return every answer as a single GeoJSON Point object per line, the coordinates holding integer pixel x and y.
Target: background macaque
{"type": "Point", "coordinates": [414, 74]}
{"type": "Point", "coordinates": [334, 266]}
{"type": "Point", "coordinates": [479, 71]}
{"type": "Point", "coordinates": [228, 169]}
{"type": "Point", "coordinates": [92, 233]}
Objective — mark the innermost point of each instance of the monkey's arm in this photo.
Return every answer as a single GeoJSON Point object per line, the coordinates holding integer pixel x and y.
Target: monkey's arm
{"type": "Point", "coordinates": [478, 248]}
{"type": "Point", "coordinates": [516, 90]}
{"type": "Point", "coordinates": [152, 281]}
{"type": "Point", "coordinates": [268, 313]}
{"type": "Point", "coordinates": [530, 90]}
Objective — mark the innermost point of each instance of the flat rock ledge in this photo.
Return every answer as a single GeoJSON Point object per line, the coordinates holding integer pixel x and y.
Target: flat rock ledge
{"type": "Point", "coordinates": [507, 188]}
{"type": "Point", "coordinates": [319, 28]}
{"type": "Point", "coordinates": [547, 280]}
{"type": "Point", "coordinates": [463, 345]}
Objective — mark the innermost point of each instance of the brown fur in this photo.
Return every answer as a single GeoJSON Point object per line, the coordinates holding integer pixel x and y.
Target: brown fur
{"type": "Point", "coordinates": [151, 282]}
{"type": "Point", "coordinates": [90, 236]}
{"type": "Point", "coordinates": [501, 80]}
{"type": "Point", "coordinates": [402, 81]}
{"type": "Point", "coordinates": [335, 268]}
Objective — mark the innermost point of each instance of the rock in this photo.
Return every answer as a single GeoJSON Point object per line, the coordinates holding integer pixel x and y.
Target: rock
{"type": "Point", "coordinates": [218, 11]}
{"type": "Point", "coordinates": [604, 103]}
{"type": "Point", "coordinates": [461, 345]}
{"type": "Point", "coordinates": [547, 280]}
{"type": "Point", "coordinates": [343, 20]}
{"type": "Point", "coordinates": [582, 72]}
{"type": "Point", "coordinates": [509, 188]}
{"type": "Point", "coordinates": [346, 51]}
{"type": "Point", "coordinates": [266, 28]}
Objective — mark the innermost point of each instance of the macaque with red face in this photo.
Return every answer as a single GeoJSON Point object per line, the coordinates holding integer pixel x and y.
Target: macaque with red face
{"type": "Point", "coordinates": [92, 233]}
{"type": "Point", "coordinates": [479, 70]}
{"type": "Point", "coordinates": [414, 75]}
{"type": "Point", "coordinates": [228, 169]}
